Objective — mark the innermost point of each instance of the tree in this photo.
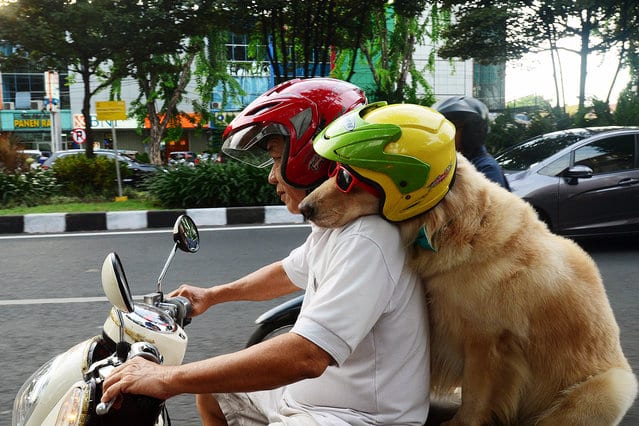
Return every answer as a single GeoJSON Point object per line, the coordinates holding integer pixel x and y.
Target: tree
{"type": "Point", "coordinates": [62, 33]}
{"type": "Point", "coordinates": [389, 50]}
{"type": "Point", "coordinates": [494, 32]}
{"type": "Point", "coordinates": [153, 41]}
{"type": "Point", "coordinates": [299, 36]}
{"type": "Point", "coordinates": [160, 41]}
{"type": "Point", "coordinates": [306, 39]}
{"type": "Point", "coordinates": [486, 31]}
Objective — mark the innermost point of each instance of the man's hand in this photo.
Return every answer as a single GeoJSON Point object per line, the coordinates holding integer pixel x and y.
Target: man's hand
{"type": "Point", "coordinates": [196, 295]}
{"type": "Point", "coordinates": [137, 376]}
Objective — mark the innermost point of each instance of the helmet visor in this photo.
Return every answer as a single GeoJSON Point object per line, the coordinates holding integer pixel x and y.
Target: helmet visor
{"type": "Point", "coordinates": [249, 144]}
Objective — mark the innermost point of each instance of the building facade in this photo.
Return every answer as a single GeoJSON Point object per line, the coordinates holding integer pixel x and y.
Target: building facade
{"type": "Point", "coordinates": [30, 112]}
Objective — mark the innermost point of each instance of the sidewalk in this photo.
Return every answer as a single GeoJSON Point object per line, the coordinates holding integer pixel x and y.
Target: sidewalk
{"type": "Point", "coordinates": [46, 223]}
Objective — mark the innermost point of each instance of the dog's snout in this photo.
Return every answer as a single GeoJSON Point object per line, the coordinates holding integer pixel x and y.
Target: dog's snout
{"type": "Point", "coordinates": [307, 210]}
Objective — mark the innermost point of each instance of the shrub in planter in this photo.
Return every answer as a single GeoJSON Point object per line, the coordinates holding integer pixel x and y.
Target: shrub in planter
{"type": "Point", "coordinates": [229, 184]}
{"type": "Point", "coordinates": [83, 177]}
{"type": "Point", "coordinates": [27, 189]}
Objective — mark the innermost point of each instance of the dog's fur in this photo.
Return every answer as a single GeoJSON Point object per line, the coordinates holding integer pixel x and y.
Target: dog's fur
{"type": "Point", "coordinates": [519, 316]}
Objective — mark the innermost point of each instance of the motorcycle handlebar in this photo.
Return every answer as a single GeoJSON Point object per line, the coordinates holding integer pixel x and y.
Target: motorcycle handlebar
{"type": "Point", "coordinates": [181, 309]}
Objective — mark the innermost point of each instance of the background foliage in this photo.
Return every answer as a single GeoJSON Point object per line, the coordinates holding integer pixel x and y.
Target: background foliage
{"type": "Point", "coordinates": [229, 184]}
{"type": "Point", "coordinates": [27, 189]}
{"type": "Point", "coordinates": [83, 177]}
{"type": "Point", "coordinates": [506, 130]}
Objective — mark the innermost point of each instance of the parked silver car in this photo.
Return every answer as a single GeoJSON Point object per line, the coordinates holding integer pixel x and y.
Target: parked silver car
{"type": "Point", "coordinates": [139, 171]}
{"type": "Point", "coordinates": [582, 182]}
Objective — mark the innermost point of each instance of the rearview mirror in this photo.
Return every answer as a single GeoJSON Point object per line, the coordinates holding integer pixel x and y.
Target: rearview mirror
{"type": "Point", "coordinates": [114, 283]}
{"type": "Point", "coordinates": [186, 235]}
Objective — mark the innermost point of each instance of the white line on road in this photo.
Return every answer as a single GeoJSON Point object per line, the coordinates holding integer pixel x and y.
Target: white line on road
{"type": "Point", "coordinates": [147, 231]}
{"type": "Point", "coordinates": [62, 300]}
{"type": "Point", "coordinates": [91, 234]}
{"type": "Point", "coordinates": [48, 301]}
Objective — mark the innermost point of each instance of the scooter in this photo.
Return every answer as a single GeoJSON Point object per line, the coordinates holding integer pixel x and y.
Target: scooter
{"type": "Point", "coordinates": [66, 391]}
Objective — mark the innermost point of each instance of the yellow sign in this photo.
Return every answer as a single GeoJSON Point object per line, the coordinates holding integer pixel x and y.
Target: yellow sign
{"type": "Point", "coordinates": [110, 110]}
{"type": "Point", "coordinates": [31, 123]}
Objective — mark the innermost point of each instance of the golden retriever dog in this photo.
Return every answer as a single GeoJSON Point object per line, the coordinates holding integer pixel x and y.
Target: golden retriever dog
{"type": "Point", "coordinates": [519, 316]}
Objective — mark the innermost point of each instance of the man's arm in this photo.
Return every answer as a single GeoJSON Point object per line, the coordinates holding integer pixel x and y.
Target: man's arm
{"type": "Point", "coordinates": [285, 359]}
{"type": "Point", "coordinates": [266, 283]}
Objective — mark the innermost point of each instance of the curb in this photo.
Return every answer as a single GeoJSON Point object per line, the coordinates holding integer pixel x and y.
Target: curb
{"type": "Point", "coordinates": [45, 223]}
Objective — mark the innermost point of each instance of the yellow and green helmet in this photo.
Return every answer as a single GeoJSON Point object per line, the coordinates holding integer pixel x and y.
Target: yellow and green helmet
{"type": "Point", "coordinates": [405, 150]}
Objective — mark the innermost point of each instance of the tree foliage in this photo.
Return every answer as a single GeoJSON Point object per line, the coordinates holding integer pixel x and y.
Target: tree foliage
{"type": "Point", "coordinates": [389, 50]}
{"type": "Point", "coordinates": [153, 41]}
{"type": "Point", "coordinates": [300, 36]}
{"type": "Point", "coordinates": [488, 32]}
{"type": "Point", "coordinates": [60, 34]}
{"type": "Point", "coordinates": [160, 41]}
{"type": "Point", "coordinates": [502, 30]}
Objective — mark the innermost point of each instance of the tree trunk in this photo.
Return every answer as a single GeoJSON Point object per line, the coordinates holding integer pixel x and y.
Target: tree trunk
{"type": "Point", "coordinates": [583, 53]}
{"type": "Point", "coordinates": [86, 111]}
{"type": "Point", "coordinates": [159, 122]}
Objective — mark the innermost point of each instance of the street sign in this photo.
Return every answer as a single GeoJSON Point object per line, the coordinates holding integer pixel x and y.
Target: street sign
{"type": "Point", "coordinates": [110, 110]}
{"type": "Point", "coordinates": [79, 135]}
{"type": "Point", "coordinates": [51, 90]}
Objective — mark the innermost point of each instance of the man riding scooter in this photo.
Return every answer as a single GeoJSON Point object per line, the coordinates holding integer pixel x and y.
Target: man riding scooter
{"type": "Point", "coordinates": [358, 353]}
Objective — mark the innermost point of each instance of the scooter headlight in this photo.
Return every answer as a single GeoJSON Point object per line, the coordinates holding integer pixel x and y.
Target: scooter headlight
{"type": "Point", "coordinates": [75, 406]}
{"type": "Point", "coordinates": [30, 393]}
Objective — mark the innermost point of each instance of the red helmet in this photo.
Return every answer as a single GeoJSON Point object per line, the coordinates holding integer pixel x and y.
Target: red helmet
{"type": "Point", "coordinates": [298, 110]}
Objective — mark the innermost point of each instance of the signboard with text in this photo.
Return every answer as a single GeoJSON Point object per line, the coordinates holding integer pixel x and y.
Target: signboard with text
{"type": "Point", "coordinates": [51, 90]}
{"type": "Point", "coordinates": [129, 123]}
{"type": "Point", "coordinates": [28, 121]}
{"type": "Point", "coordinates": [110, 110]}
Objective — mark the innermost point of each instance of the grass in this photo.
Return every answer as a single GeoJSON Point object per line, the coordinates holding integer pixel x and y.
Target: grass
{"type": "Point", "coordinates": [83, 207]}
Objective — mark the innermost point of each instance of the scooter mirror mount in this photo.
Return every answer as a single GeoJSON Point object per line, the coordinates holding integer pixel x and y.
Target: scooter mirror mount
{"type": "Point", "coordinates": [115, 285]}
{"type": "Point", "coordinates": [186, 238]}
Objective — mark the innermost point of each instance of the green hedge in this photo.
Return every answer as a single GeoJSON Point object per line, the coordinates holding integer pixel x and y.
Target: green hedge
{"type": "Point", "coordinates": [84, 177]}
{"type": "Point", "coordinates": [27, 189]}
{"type": "Point", "coordinates": [229, 184]}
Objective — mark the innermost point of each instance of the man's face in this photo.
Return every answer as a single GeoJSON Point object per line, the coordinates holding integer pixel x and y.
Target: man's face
{"type": "Point", "coordinates": [289, 195]}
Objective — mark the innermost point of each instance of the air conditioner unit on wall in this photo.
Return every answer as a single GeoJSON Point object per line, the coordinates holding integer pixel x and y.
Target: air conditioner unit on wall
{"type": "Point", "coordinates": [8, 105]}
{"type": "Point", "coordinates": [36, 105]}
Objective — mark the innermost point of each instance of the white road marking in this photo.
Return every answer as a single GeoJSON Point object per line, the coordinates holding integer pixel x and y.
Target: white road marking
{"type": "Point", "coordinates": [61, 300]}
{"type": "Point", "coordinates": [146, 231]}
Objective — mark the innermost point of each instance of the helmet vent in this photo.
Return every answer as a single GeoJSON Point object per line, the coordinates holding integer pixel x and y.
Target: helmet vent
{"type": "Point", "coordinates": [262, 108]}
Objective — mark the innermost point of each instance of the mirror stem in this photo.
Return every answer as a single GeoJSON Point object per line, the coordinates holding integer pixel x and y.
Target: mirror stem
{"type": "Point", "coordinates": [166, 267]}
{"type": "Point", "coordinates": [121, 319]}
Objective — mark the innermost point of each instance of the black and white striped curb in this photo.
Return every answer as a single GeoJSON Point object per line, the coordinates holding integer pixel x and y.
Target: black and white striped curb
{"type": "Point", "coordinates": [46, 223]}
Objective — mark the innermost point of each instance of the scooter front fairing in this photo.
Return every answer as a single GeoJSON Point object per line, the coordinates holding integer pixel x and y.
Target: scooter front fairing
{"type": "Point", "coordinates": [45, 388]}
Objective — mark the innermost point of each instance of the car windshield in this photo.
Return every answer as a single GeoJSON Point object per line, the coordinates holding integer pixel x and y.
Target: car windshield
{"type": "Point", "coordinates": [532, 151]}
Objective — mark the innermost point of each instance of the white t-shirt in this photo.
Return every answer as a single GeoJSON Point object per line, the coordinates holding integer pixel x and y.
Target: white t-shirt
{"type": "Point", "coordinates": [366, 308]}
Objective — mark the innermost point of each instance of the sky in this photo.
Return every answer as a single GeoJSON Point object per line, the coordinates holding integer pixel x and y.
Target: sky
{"type": "Point", "coordinates": [532, 75]}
